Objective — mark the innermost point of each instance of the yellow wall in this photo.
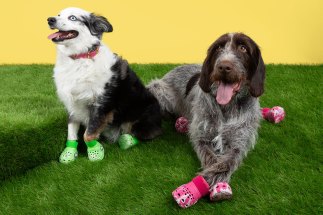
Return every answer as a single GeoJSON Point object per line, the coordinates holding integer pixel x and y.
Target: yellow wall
{"type": "Point", "coordinates": [175, 31]}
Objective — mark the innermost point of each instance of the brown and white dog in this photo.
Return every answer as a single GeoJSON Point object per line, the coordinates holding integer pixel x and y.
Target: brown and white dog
{"type": "Point", "coordinates": [220, 101]}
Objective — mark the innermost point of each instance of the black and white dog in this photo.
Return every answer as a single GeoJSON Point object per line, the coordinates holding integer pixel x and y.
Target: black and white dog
{"type": "Point", "coordinates": [97, 87]}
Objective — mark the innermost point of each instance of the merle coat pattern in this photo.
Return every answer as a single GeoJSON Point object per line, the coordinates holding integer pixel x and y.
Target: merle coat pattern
{"type": "Point", "coordinates": [220, 100]}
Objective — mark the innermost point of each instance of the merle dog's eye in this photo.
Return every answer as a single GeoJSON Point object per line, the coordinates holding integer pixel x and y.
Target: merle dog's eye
{"type": "Point", "coordinates": [72, 18]}
{"type": "Point", "coordinates": [243, 48]}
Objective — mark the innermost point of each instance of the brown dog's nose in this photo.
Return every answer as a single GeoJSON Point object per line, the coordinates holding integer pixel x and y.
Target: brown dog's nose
{"type": "Point", "coordinates": [51, 20]}
{"type": "Point", "coordinates": [225, 67]}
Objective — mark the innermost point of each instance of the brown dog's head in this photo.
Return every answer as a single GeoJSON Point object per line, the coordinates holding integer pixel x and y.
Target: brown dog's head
{"type": "Point", "coordinates": [233, 61]}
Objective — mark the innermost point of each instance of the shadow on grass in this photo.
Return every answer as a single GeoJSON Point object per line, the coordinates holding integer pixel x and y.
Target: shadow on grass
{"type": "Point", "coordinates": [23, 149]}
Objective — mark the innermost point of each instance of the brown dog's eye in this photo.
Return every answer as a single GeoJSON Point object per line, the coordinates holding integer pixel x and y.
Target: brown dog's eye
{"type": "Point", "coordinates": [219, 48]}
{"type": "Point", "coordinates": [243, 48]}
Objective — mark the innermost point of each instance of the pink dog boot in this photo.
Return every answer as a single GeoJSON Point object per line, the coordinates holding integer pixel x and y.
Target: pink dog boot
{"type": "Point", "coordinates": [264, 112]}
{"type": "Point", "coordinates": [276, 114]}
{"type": "Point", "coordinates": [181, 125]}
{"type": "Point", "coordinates": [188, 194]}
{"type": "Point", "coordinates": [220, 191]}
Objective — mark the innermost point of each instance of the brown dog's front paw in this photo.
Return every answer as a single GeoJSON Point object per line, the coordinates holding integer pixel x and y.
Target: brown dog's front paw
{"type": "Point", "coordinates": [220, 191]}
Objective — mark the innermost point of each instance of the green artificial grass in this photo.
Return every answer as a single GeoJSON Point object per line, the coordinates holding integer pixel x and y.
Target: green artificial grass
{"type": "Point", "coordinates": [282, 175]}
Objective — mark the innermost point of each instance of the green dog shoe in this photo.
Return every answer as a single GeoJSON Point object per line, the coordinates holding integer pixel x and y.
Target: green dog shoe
{"type": "Point", "coordinates": [127, 141]}
{"type": "Point", "coordinates": [95, 150]}
{"type": "Point", "coordinates": [70, 152]}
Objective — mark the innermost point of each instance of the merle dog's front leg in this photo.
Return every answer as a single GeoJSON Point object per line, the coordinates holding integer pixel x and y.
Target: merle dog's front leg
{"type": "Point", "coordinates": [73, 128]}
{"type": "Point", "coordinates": [99, 117]}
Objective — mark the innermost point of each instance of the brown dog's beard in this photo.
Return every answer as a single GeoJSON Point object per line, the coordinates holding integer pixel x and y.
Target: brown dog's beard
{"type": "Point", "coordinates": [230, 78]}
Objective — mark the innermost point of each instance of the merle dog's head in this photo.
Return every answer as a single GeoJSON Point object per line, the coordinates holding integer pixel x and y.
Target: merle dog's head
{"type": "Point", "coordinates": [233, 63]}
{"type": "Point", "coordinates": [77, 26]}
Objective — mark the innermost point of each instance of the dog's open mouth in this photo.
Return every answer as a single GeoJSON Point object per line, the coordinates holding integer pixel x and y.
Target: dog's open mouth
{"type": "Point", "coordinates": [63, 35]}
{"type": "Point", "coordinates": [226, 91]}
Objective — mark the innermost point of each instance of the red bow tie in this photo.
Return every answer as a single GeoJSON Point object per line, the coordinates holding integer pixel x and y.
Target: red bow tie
{"type": "Point", "coordinates": [88, 55]}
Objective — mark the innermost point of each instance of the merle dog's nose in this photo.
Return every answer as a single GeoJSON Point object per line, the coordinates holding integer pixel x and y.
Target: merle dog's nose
{"type": "Point", "coordinates": [225, 67]}
{"type": "Point", "coordinates": [51, 20]}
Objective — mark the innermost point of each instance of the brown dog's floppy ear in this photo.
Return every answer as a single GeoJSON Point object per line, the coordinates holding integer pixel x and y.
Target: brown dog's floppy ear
{"type": "Point", "coordinates": [207, 68]}
{"type": "Point", "coordinates": [257, 80]}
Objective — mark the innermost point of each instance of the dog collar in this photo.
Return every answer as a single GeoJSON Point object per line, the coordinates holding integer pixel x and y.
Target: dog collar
{"type": "Point", "coordinates": [87, 55]}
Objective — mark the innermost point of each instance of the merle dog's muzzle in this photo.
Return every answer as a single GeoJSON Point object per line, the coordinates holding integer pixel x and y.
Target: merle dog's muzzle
{"type": "Point", "coordinates": [51, 22]}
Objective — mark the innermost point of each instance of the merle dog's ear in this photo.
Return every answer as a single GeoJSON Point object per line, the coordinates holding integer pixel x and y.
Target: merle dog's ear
{"type": "Point", "coordinates": [97, 24]}
{"type": "Point", "coordinates": [257, 79]}
{"type": "Point", "coordinates": [207, 69]}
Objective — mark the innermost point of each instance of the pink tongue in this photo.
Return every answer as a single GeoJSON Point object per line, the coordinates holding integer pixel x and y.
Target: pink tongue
{"type": "Point", "coordinates": [224, 93]}
{"type": "Point", "coordinates": [54, 35]}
